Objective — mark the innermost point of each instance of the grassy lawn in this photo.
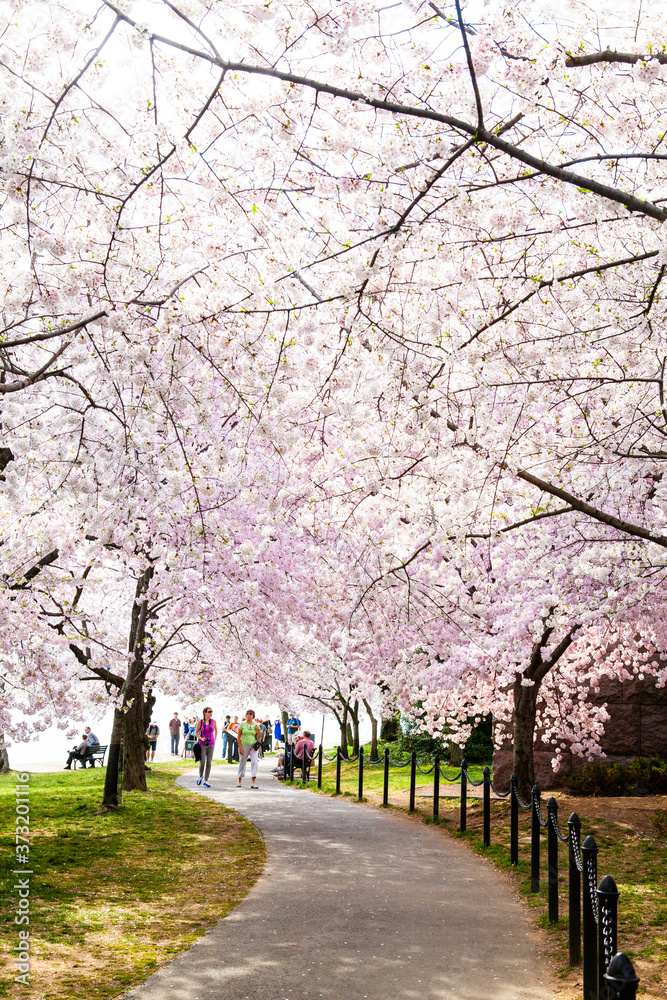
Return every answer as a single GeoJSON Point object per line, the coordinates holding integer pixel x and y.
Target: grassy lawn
{"type": "Point", "coordinates": [115, 896]}
{"type": "Point", "coordinates": [399, 778]}
{"type": "Point", "coordinates": [637, 864]}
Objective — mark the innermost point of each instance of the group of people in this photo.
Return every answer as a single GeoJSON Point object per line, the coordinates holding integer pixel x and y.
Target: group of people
{"type": "Point", "coordinates": [84, 751]}
{"type": "Point", "coordinates": [272, 732]}
{"type": "Point", "coordinates": [246, 737]}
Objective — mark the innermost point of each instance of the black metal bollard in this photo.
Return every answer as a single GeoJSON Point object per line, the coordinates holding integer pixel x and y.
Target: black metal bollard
{"type": "Point", "coordinates": [463, 822]}
{"type": "Point", "coordinates": [385, 791]}
{"type": "Point", "coordinates": [338, 756]}
{"type": "Point", "coordinates": [487, 807]}
{"type": "Point", "coordinates": [361, 776]}
{"type": "Point", "coordinates": [304, 765]}
{"type": "Point", "coordinates": [574, 892]}
{"type": "Point", "coordinates": [589, 858]}
{"type": "Point", "coordinates": [514, 821]}
{"type": "Point", "coordinates": [320, 754]}
{"type": "Point", "coordinates": [535, 830]}
{"type": "Point", "coordinates": [552, 859]}
{"type": "Point", "coordinates": [436, 787]}
{"type": "Point", "coordinates": [413, 778]}
{"type": "Point", "coordinates": [607, 894]}
{"type": "Point", "coordinates": [621, 979]}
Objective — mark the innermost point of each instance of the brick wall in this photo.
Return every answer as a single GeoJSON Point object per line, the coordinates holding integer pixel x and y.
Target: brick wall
{"type": "Point", "coordinates": [637, 727]}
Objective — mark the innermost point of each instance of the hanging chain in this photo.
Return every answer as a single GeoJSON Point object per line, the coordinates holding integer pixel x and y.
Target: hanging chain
{"type": "Point", "coordinates": [591, 875]}
{"type": "Point", "coordinates": [574, 837]}
{"type": "Point", "coordinates": [554, 823]}
{"type": "Point", "coordinates": [607, 939]}
{"type": "Point", "coordinates": [538, 810]}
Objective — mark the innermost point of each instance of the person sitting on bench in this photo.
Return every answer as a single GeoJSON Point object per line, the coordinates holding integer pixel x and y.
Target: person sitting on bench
{"type": "Point", "coordinates": [304, 741]}
{"type": "Point", "coordinates": [78, 753]}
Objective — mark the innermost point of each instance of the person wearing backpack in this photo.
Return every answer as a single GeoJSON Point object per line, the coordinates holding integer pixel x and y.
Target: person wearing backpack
{"type": "Point", "coordinates": [152, 733]}
{"type": "Point", "coordinates": [206, 734]}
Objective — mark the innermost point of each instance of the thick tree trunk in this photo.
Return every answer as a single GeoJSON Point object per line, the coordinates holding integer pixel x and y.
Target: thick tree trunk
{"type": "Point", "coordinates": [374, 731]}
{"type": "Point", "coordinates": [525, 707]}
{"type": "Point", "coordinates": [110, 798]}
{"type": "Point", "coordinates": [390, 729]}
{"type": "Point", "coordinates": [134, 741]}
{"type": "Point", "coordinates": [4, 756]}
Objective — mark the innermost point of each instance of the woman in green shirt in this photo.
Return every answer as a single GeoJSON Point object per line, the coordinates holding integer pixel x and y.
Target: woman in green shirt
{"type": "Point", "coordinates": [249, 732]}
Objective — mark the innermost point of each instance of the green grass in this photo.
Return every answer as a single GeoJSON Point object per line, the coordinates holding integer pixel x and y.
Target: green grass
{"type": "Point", "coordinates": [399, 778]}
{"type": "Point", "coordinates": [114, 896]}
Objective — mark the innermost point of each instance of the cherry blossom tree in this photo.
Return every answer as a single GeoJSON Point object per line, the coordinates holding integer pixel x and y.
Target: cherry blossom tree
{"type": "Point", "coordinates": [415, 256]}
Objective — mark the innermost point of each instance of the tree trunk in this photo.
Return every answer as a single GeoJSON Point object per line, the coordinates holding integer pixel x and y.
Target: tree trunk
{"type": "Point", "coordinates": [134, 741]}
{"type": "Point", "coordinates": [110, 798]}
{"type": "Point", "coordinates": [355, 725]}
{"type": "Point", "coordinates": [374, 731]}
{"type": "Point", "coordinates": [525, 707]}
{"type": "Point", "coordinates": [344, 730]}
{"type": "Point", "coordinates": [4, 756]}
{"type": "Point", "coordinates": [390, 729]}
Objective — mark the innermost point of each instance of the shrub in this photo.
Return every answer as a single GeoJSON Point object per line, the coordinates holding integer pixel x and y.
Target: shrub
{"type": "Point", "coordinates": [660, 823]}
{"type": "Point", "coordinates": [643, 776]}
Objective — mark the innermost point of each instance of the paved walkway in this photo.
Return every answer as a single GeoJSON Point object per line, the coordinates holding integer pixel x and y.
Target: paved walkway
{"type": "Point", "coordinates": [355, 904]}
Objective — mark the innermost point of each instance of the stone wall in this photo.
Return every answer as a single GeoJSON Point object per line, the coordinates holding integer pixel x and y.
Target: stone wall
{"type": "Point", "coordinates": [637, 727]}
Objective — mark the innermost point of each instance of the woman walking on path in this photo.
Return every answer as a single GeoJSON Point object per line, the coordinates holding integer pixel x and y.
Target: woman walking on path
{"type": "Point", "coordinates": [206, 733]}
{"type": "Point", "coordinates": [249, 735]}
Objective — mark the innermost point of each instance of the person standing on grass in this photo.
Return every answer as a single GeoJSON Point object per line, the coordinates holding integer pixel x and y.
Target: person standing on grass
{"type": "Point", "coordinates": [152, 733]}
{"type": "Point", "coordinates": [206, 733]}
{"type": "Point", "coordinates": [175, 730]}
{"type": "Point", "coordinates": [277, 731]}
{"type": "Point", "coordinates": [250, 733]}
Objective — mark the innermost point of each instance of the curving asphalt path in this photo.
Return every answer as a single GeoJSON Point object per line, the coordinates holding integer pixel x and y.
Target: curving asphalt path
{"type": "Point", "coordinates": [356, 904]}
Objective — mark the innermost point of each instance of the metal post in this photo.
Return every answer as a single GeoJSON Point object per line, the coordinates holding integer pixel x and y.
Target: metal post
{"type": "Point", "coordinates": [589, 856]}
{"type": "Point", "coordinates": [338, 755]}
{"type": "Point", "coordinates": [574, 891]}
{"type": "Point", "coordinates": [487, 807]}
{"type": "Point", "coordinates": [291, 763]}
{"type": "Point", "coordinates": [552, 859]}
{"type": "Point", "coordinates": [304, 764]}
{"type": "Point", "coordinates": [413, 778]}
{"type": "Point", "coordinates": [361, 775]}
{"type": "Point", "coordinates": [320, 752]}
{"type": "Point", "coordinates": [621, 979]}
{"type": "Point", "coordinates": [514, 822]}
{"type": "Point", "coordinates": [385, 792]}
{"type": "Point", "coordinates": [436, 787]}
{"type": "Point", "coordinates": [607, 909]}
{"type": "Point", "coordinates": [463, 822]}
{"type": "Point", "coordinates": [535, 840]}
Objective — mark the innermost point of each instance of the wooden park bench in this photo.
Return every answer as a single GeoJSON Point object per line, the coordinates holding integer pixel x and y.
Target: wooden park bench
{"type": "Point", "coordinates": [94, 756]}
